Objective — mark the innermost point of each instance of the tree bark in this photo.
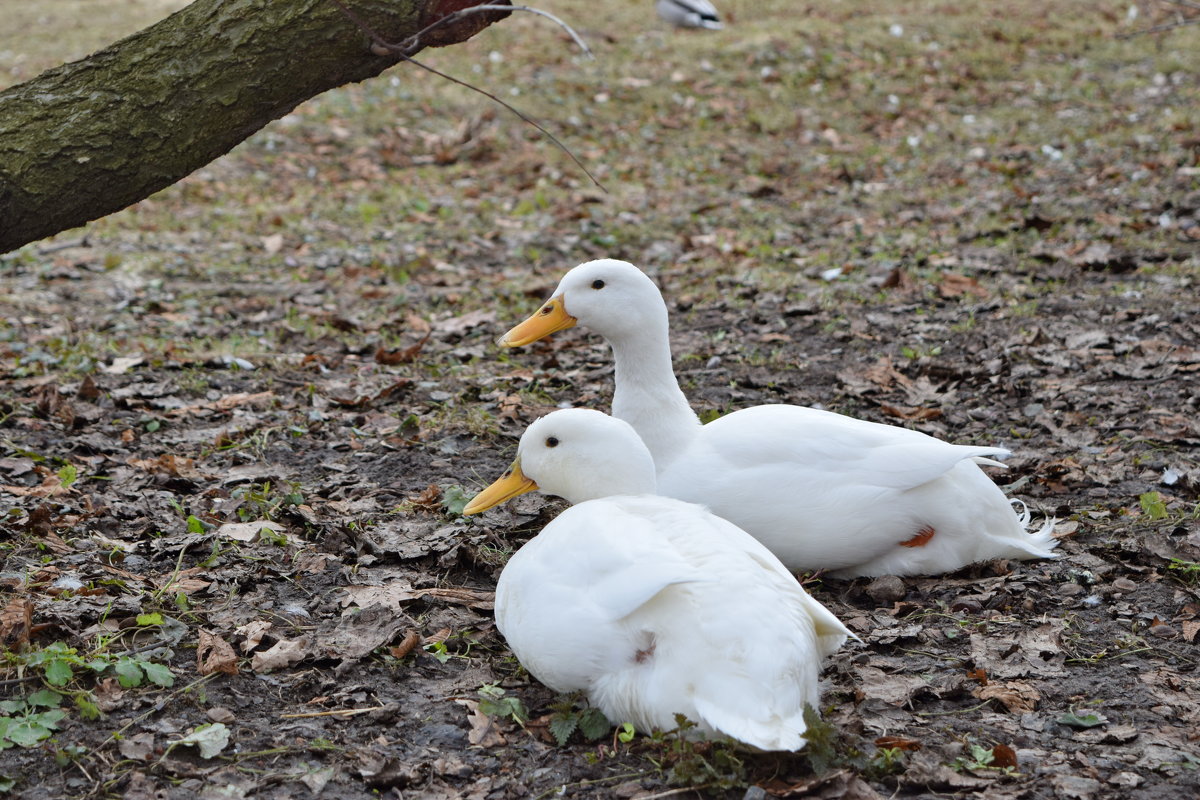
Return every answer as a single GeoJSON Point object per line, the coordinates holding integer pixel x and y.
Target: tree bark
{"type": "Point", "coordinates": [90, 137]}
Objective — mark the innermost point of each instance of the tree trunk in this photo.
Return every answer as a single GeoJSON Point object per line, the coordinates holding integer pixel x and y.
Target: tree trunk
{"type": "Point", "coordinates": [90, 137]}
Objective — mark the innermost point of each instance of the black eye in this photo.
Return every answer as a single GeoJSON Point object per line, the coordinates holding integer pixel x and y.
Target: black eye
{"type": "Point", "coordinates": [597, 284]}
{"type": "Point", "coordinates": [552, 441]}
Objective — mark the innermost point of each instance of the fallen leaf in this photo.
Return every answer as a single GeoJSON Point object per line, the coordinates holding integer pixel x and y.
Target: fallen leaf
{"type": "Point", "coordinates": [909, 412]}
{"type": "Point", "coordinates": [406, 646]}
{"type": "Point", "coordinates": [1016, 696]}
{"type": "Point", "coordinates": [1003, 757]}
{"type": "Point", "coordinates": [484, 731]}
{"type": "Point", "coordinates": [954, 285]}
{"type": "Point", "coordinates": [898, 743]}
{"type": "Point", "coordinates": [285, 653]}
{"type": "Point", "coordinates": [254, 632]}
{"type": "Point", "coordinates": [249, 531]}
{"type": "Point", "coordinates": [893, 689]}
{"type": "Point", "coordinates": [16, 619]}
{"type": "Point", "coordinates": [138, 747]}
{"type": "Point", "coordinates": [121, 365]}
{"type": "Point", "coordinates": [210, 739]}
{"type": "Point", "coordinates": [214, 654]}
{"type": "Point", "coordinates": [405, 355]}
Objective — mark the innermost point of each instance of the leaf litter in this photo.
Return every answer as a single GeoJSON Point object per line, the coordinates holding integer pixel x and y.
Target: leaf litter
{"type": "Point", "coordinates": [262, 428]}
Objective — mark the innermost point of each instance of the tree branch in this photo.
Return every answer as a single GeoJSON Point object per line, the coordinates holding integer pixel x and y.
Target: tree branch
{"type": "Point", "coordinates": [380, 46]}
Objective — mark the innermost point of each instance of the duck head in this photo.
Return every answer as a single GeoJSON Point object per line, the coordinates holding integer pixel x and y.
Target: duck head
{"type": "Point", "coordinates": [613, 298]}
{"type": "Point", "coordinates": [577, 454]}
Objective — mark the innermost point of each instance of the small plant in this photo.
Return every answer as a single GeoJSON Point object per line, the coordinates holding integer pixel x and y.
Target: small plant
{"type": "Point", "coordinates": [1153, 506]}
{"type": "Point", "coordinates": [980, 758]}
{"type": "Point", "coordinates": [1186, 571]}
{"type": "Point", "coordinates": [1073, 719]}
{"type": "Point", "coordinates": [494, 703]}
{"type": "Point", "coordinates": [886, 761]}
{"type": "Point", "coordinates": [455, 499]}
{"type": "Point", "coordinates": [689, 761]}
{"type": "Point", "coordinates": [26, 721]}
{"type": "Point", "coordinates": [571, 716]}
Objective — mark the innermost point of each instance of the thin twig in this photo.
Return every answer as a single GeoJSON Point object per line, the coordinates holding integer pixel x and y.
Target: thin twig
{"type": "Point", "coordinates": [1160, 28]}
{"type": "Point", "coordinates": [340, 712]}
{"type": "Point", "coordinates": [1167, 26]}
{"type": "Point", "coordinates": [412, 45]}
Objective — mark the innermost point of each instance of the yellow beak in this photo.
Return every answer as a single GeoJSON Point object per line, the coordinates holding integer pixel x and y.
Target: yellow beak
{"type": "Point", "coordinates": [506, 487]}
{"type": "Point", "coordinates": [551, 317]}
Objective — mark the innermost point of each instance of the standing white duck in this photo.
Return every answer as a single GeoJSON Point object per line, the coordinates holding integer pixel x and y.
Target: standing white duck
{"type": "Point", "coordinates": [653, 606]}
{"type": "Point", "coordinates": [689, 13]}
{"type": "Point", "coordinates": [819, 489]}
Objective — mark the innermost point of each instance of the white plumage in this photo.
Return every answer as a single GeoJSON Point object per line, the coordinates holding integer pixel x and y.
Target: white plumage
{"type": "Point", "coordinates": [653, 606]}
{"type": "Point", "coordinates": [689, 13]}
{"type": "Point", "coordinates": [820, 490]}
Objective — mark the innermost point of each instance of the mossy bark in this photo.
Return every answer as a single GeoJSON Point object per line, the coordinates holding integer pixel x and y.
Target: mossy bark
{"type": "Point", "coordinates": [90, 137]}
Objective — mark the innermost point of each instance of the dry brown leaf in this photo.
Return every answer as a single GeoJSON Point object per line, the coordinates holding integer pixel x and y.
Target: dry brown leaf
{"type": "Point", "coordinates": [406, 646]}
{"type": "Point", "coordinates": [139, 747]}
{"type": "Point", "coordinates": [1017, 696]}
{"type": "Point", "coordinates": [1003, 757]}
{"type": "Point", "coordinates": [1190, 628]}
{"type": "Point", "coordinates": [898, 742]}
{"type": "Point", "coordinates": [226, 403]}
{"type": "Point", "coordinates": [51, 486]}
{"type": "Point", "coordinates": [909, 412]}
{"type": "Point", "coordinates": [484, 731]}
{"type": "Point", "coordinates": [254, 632]}
{"type": "Point", "coordinates": [285, 653]}
{"type": "Point", "coordinates": [893, 689]}
{"type": "Point", "coordinates": [16, 619]}
{"type": "Point", "coordinates": [954, 285]}
{"type": "Point", "coordinates": [108, 694]}
{"type": "Point", "coordinates": [169, 463]}
{"type": "Point", "coordinates": [428, 500]}
{"type": "Point", "coordinates": [405, 355]}
{"type": "Point", "coordinates": [183, 582]}
{"type": "Point", "coordinates": [214, 654]}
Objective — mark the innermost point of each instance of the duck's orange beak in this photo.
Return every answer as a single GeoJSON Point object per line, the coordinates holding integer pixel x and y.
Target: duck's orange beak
{"type": "Point", "coordinates": [551, 317]}
{"type": "Point", "coordinates": [507, 486]}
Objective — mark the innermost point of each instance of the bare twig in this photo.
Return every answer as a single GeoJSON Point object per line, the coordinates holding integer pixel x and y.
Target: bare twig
{"type": "Point", "coordinates": [1160, 28]}
{"type": "Point", "coordinates": [412, 45]}
{"type": "Point", "coordinates": [1181, 22]}
{"type": "Point", "coordinates": [341, 712]}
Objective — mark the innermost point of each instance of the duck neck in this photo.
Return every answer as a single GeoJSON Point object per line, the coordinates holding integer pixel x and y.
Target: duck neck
{"type": "Point", "coordinates": [648, 396]}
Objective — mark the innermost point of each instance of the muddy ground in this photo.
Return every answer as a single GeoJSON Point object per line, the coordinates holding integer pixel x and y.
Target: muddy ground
{"type": "Point", "coordinates": [238, 420]}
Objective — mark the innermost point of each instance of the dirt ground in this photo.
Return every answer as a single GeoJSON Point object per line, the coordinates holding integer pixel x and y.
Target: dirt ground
{"type": "Point", "coordinates": [237, 421]}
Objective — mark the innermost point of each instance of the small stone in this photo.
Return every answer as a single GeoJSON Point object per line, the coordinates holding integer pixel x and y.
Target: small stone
{"type": "Point", "coordinates": [627, 789]}
{"type": "Point", "coordinates": [1126, 780]}
{"type": "Point", "coordinates": [1124, 585]}
{"type": "Point", "coordinates": [887, 589]}
{"type": "Point", "coordinates": [755, 793]}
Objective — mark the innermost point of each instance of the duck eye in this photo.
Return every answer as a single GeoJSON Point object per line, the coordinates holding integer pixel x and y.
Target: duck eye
{"type": "Point", "coordinates": [552, 441]}
{"type": "Point", "coordinates": [597, 284]}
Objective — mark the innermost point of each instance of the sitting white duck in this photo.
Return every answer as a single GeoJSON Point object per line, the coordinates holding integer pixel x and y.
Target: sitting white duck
{"type": "Point", "coordinates": [652, 606]}
{"type": "Point", "coordinates": [819, 489]}
{"type": "Point", "coordinates": [689, 13]}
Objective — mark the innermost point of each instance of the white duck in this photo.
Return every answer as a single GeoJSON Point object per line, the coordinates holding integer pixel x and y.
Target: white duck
{"type": "Point", "coordinates": [819, 489]}
{"type": "Point", "coordinates": [653, 606]}
{"type": "Point", "coordinates": [689, 13]}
